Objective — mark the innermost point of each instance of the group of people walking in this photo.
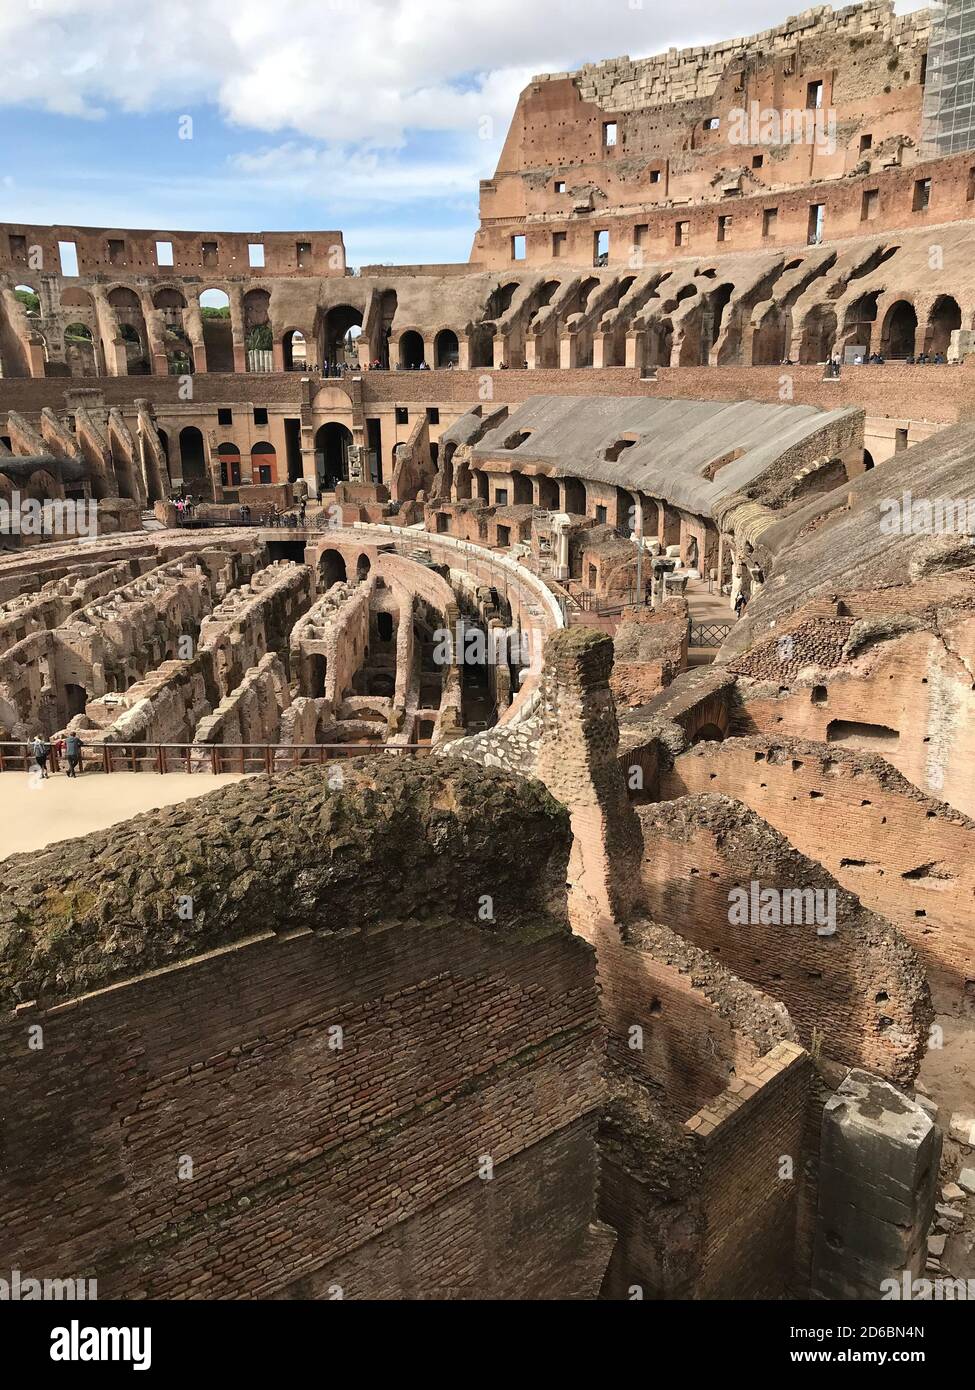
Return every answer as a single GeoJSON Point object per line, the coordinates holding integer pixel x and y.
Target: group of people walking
{"type": "Point", "coordinates": [67, 749]}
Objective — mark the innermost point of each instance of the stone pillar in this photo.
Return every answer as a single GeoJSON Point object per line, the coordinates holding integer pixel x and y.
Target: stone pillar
{"type": "Point", "coordinates": [578, 762]}
{"type": "Point", "coordinates": [236, 296]}
{"type": "Point", "coordinates": [878, 1178]}
{"type": "Point", "coordinates": [36, 357]}
{"type": "Point", "coordinates": [737, 576]}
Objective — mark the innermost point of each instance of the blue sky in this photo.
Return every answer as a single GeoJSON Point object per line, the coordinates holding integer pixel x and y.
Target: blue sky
{"type": "Point", "coordinates": [376, 117]}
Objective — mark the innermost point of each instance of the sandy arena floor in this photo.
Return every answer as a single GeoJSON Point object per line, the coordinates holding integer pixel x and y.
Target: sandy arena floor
{"type": "Point", "coordinates": [61, 809]}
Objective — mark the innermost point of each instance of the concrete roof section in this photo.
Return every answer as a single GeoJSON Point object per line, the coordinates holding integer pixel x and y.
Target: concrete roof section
{"type": "Point", "coordinates": [670, 448]}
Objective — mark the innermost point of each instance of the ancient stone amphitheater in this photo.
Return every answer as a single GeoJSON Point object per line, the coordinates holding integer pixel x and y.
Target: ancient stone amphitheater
{"type": "Point", "coordinates": [593, 643]}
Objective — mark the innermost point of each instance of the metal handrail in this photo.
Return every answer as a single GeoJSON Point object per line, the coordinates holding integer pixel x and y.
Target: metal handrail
{"type": "Point", "coordinates": [202, 757]}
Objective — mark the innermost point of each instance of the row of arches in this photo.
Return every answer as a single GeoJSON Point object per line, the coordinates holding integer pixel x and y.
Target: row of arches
{"type": "Point", "coordinates": [899, 336]}
{"type": "Point", "coordinates": [195, 470]}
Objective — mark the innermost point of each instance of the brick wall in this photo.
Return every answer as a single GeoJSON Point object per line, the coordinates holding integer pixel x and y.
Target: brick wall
{"type": "Point", "coordinates": [751, 1195]}
{"type": "Point", "coordinates": [868, 826]}
{"type": "Point", "coordinates": [860, 991]}
{"type": "Point", "coordinates": [461, 1040]}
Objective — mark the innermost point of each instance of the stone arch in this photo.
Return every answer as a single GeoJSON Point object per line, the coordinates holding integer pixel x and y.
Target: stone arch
{"type": "Point", "coordinates": [218, 333]}
{"type": "Point", "coordinates": [168, 298]}
{"type": "Point", "coordinates": [548, 494]}
{"type": "Point", "coordinates": [575, 496]}
{"type": "Point", "coordinates": [446, 348]}
{"type": "Point", "coordinates": [29, 300]}
{"type": "Point", "coordinates": [411, 350]}
{"type": "Point", "coordinates": [79, 349]}
{"type": "Point", "coordinates": [193, 454]}
{"type": "Point", "coordinates": [333, 441]}
{"type": "Point", "coordinates": [944, 318]}
{"type": "Point", "coordinates": [341, 327]}
{"type": "Point", "coordinates": [713, 321]}
{"type": "Point", "coordinates": [858, 323]}
{"type": "Point", "coordinates": [660, 343]}
{"type": "Point", "coordinates": [362, 567]}
{"type": "Point", "coordinates": [294, 350]}
{"type": "Point", "coordinates": [331, 569]}
{"type": "Point", "coordinates": [127, 308]}
{"type": "Point", "coordinates": [387, 313]}
{"type": "Point", "coordinates": [899, 332]}
{"type": "Point", "coordinates": [818, 334]}
{"type": "Point", "coordinates": [258, 334]}
{"type": "Point", "coordinates": [521, 490]}
{"type": "Point", "coordinates": [770, 341]}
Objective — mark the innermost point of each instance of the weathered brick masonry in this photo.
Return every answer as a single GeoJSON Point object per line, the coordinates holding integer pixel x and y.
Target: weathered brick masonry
{"type": "Point", "coordinates": [213, 1039]}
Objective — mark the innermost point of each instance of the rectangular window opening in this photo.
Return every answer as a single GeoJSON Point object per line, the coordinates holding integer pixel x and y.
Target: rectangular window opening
{"type": "Point", "coordinates": [68, 256]}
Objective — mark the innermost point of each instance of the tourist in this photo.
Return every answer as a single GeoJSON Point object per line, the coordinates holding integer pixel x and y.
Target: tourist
{"type": "Point", "coordinates": [302, 505]}
{"type": "Point", "coordinates": [39, 752]}
{"type": "Point", "coordinates": [740, 602]}
{"type": "Point", "coordinates": [72, 749]}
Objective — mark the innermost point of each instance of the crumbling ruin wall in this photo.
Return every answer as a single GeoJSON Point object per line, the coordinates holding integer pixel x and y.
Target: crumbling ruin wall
{"type": "Point", "coordinates": [256, 619]}
{"type": "Point", "coordinates": [268, 1013]}
{"type": "Point", "coordinates": [577, 761]}
{"type": "Point", "coordinates": [853, 987]}
{"type": "Point", "coordinates": [650, 649]}
{"type": "Point", "coordinates": [905, 856]}
{"type": "Point", "coordinates": [28, 696]}
{"type": "Point", "coordinates": [305, 721]}
{"type": "Point", "coordinates": [908, 697]}
{"type": "Point", "coordinates": [686, 1139]}
{"type": "Point", "coordinates": [165, 707]}
{"type": "Point", "coordinates": [750, 1144]}
{"type": "Point", "coordinates": [250, 714]}
{"type": "Point", "coordinates": [328, 643]}
{"type": "Point", "coordinates": [706, 1087]}
{"type": "Point", "coordinates": [413, 470]}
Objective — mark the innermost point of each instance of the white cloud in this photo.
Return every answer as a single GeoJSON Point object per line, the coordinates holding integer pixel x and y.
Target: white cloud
{"type": "Point", "coordinates": [383, 114]}
{"type": "Point", "coordinates": [342, 70]}
{"type": "Point", "coordinates": [353, 177]}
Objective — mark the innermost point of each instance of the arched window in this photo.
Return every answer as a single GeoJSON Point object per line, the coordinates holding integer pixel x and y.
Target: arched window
{"type": "Point", "coordinates": [446, 349]}
{"type": "Point", "coordinates": [411, 350]}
